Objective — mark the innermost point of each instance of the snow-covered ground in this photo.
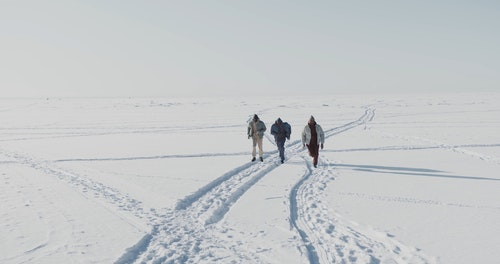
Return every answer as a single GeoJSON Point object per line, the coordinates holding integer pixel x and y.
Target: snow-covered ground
{"type": "Point", "coordinates": [402, 179]}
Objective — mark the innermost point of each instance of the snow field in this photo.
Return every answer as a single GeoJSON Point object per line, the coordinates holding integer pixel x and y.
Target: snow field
{"type": "Point", "coordinates": [401, 180]}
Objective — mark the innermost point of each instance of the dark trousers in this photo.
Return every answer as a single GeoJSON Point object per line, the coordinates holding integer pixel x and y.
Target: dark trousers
{"type": "Point", "coordinates": [280, 143]}
{"type": "Point", "coordinates": [314, 152]}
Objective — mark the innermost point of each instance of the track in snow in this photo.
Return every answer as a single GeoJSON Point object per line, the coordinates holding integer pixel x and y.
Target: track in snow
{"type": "Point", "coordinates": [327, 237]}
{"type": "Point", "coordinates": [183, 233]}
{"type": "Point", "coordinates": [90, 189]}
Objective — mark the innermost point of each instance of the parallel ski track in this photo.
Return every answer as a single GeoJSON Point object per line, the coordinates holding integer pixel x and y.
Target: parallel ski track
{"type": "Point", "coordinates": [182, 234]}
{"type": "Point", "coordinates": [326, 236]}
{"type": "Point", "coordinates": [329, 238]}
{"type": "Point", "coordinates": [297, 221]}
{"type": "Point", "coordinates": [179, 236]}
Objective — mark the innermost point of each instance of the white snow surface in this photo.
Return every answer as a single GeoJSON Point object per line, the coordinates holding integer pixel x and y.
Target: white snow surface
{"type": "Point", "coordinates": [402, 179]}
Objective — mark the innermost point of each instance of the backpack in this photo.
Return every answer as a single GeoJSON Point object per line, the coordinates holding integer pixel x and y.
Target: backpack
{"type": "Point", "coordinates": [281, 131]}
{"type": "Point", "coordinates": [284, 130]}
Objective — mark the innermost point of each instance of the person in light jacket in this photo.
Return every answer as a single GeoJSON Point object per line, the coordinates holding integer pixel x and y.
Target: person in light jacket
{"type": "Point", "coordinates": [281, 132]}
{"type": "Point", "coordinates": [256, 129]}
{"type": "Point", "coordinates": [313, 137]}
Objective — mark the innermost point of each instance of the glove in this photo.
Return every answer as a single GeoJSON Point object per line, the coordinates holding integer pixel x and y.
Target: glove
{"type": "Point", "coordinates": [288, 138]}
{"type": "Point", "coordinates": [321, 146]}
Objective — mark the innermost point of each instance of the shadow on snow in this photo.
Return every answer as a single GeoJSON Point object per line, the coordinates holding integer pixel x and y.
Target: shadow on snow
{"type": "Point", "coordinates": [408, 171]}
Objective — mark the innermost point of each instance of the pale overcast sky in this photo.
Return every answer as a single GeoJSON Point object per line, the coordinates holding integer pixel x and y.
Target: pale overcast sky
{"type": "Point", "coordinates": [188, 48]}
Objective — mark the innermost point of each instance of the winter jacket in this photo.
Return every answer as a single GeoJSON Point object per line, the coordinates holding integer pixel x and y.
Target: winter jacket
{"type": "Point", "coordinates": [257, 128]}
{"type": "Point", "coordinates": [281, 130]}
{"type": "Point", "coordinates": [306, 135]}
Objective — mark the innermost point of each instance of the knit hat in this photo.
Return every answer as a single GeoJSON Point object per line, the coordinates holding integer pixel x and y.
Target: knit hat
{"type": "Point", "coordinates": [311, 120]}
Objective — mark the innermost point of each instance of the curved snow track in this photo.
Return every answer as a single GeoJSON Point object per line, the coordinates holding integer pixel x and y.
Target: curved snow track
{"type": "Point", "coordinates": [330, 239]}
{"type": "Point", "coordinates": [182, 234]}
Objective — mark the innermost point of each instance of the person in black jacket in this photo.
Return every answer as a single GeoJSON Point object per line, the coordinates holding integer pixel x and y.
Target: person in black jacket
{"type": "Point", "coordinates": [281, 132]}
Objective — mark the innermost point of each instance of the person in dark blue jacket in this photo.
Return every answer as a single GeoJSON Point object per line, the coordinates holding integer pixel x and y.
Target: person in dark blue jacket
{"type": "Point", "coordinates": [281, 132]}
